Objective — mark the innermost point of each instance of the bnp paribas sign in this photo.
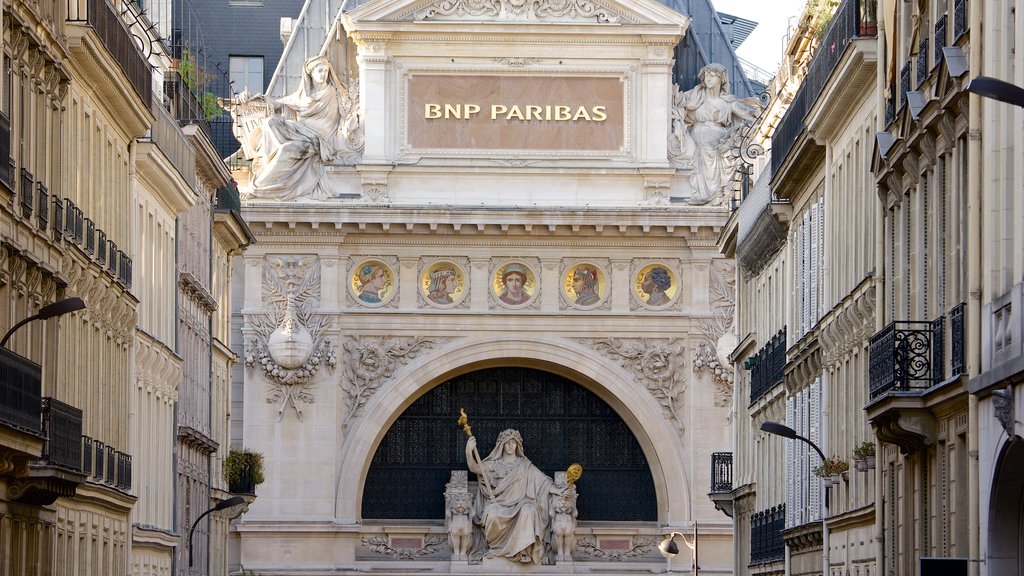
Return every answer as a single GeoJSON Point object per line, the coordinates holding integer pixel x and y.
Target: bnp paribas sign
{"type": "Point", "coordinates": [494, 112]}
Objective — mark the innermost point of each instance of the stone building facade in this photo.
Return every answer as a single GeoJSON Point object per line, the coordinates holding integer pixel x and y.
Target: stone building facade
{"type": "Point", "coordinates": [457, 259]}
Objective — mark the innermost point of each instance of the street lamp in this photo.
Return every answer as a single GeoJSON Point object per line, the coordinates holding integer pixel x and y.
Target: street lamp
{"type": "Point", "coordinates": [669, 548]}
{"type": "Point", "coordinates": [58, 308]}
{"type": "Point", "coordinates": [233, 501]}
{"type": "Point", "coordinates": [997, 90]}
{"type": "Point", "coordinates": [787, 432]}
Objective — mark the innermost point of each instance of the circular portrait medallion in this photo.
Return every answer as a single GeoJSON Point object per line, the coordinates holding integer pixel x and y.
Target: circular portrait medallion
{"type": "Point", "coordinates": [655, 285]}
{"type": "Point", "coordinates": [443, 284]}
{"type": "Point", "coordinates": [372, 282]}
{"type": "Point", "coordinates": [585, 285]}
{"type": "Point", "coordinates": [514, 284]}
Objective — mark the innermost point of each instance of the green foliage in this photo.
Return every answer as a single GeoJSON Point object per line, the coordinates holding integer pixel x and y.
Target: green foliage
{"type": "Point", "coordinates": [831, 467]}
{"type": "Point", "coordinates": [210, 107]}
{"type": "Point", "coordinates": [188, 70]}
{"type": "Point", "coordinates": [242, 465]}
{"type": "Point", "coordinates": [865, 450]}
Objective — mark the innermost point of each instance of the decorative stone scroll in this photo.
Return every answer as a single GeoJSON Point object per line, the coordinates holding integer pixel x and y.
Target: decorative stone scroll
{"type": "Point", "coordinates": [382, 545]}
{"type": "Point", "coordinates": [290, 344]}
{"type": "Point", "coordinates": [520, 10]}
{"type": "Point", "coordinates": [656, 364]}
{"type": "Point", "coordinates": [589, 545]}
{"type": "Point", "coordinates": [369, 363]}
{"type": "Point", "coordinates": [717, 335]}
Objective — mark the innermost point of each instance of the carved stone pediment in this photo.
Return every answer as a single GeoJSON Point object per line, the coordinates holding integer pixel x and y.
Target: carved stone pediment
{"type": "Point", "coordinates": [519, 11]}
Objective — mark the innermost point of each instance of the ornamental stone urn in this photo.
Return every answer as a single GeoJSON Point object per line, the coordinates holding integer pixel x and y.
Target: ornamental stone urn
{"type": "Point", "coordinates": [290, 345]}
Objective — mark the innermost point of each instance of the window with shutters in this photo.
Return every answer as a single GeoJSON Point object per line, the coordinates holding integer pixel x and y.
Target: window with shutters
{"type": "Point", "coordinates": [807, 279]}
{"type": "Point", "coordinates": [803, 488]}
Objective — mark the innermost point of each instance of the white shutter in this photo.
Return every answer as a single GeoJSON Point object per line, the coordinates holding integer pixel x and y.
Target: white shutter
{"type": "Point", "coordinates": [815, 271]}
{"type": "Point", "coordinates": [801, 429]}
{"type": "Point", "coordinates": [805, 281]}
{"type": "Point", "coordinates": [815, 435]}
{"type": "Point", "coordinates": [792, 470]}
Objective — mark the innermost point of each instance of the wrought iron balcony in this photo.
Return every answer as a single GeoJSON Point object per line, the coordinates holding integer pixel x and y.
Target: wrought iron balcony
{"type": "Point", "coordinates": [721, 472]}
{"type": "Point", "coordinates": [959, 19]}
{"type": "Point", "coordinates": [956, 339]}
{"type": "Point", "coordinates": [6, 162]}
{"type": "Point", "coordinates": [185, 105]}
{"type": "Point", "coordinates": [905, 356]}
{"type": "Point", "coordinates": [115, 36]}
{"type": "Point", "coordinates": [20, 392]}
{"type": "Point", "coordinates": [62, 426]}
{"type": "Point", "coordinates": [228, 199]}
{"type": "Point", "coordinates": [767, 366]}
{"type": "Point", "coordinates": [766, 541]}
{"type": "Point", "coordinates": [853, 19]}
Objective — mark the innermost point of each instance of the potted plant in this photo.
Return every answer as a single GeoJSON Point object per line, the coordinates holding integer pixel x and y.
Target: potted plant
{"type": "Point", "coordinates": [832, 469]}
{"type": "Point", "coordinates": [243, 470]}
{"type": "Point", "coordinates": [864, 456]}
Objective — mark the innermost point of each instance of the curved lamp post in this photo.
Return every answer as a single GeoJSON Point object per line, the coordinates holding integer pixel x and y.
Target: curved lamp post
{"type": "Point", "coordinates": [670, 549]}
{"type": "Point", "coordinates": [58, 308]}
{"type": "Point", "coordinates": [787, 432]}
{"type": "Point", "coordinates": [997, 90]}
{"type": "Point", "coordinates": [233, 501]}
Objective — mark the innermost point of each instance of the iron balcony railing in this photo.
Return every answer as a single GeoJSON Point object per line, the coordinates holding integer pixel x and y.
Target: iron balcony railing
{"type": "Point", "coordinates": [853, 19]}
{"type": "Point", "coordinates": [959, 20]}
{"type": "Point", "coordinates": [766, 542]}
{"type": "Point", "coordinates": [228, 199]}
{"type": "Point", "coordinates": [721, 472]}
{"type": "Point", "coordinates": [6, 170]}
{"type": "Point", "coordinates": [922, 60]}
{"type": "Point", "coordinates": [82, 232]}
{"type": "Point", "coordinates": [106, 465]}
{"type": "Point", "coordinates": [167, 135]}
{"type": "Point", "coordinates": [904, 83]}
{"type": "Point", "coordinates": [939, 41]}
{"type": "Point", "coordinates": [118, 40]}
{"type": "Point", "coordinates": [186, 106]}
{"type": "Point", "coordinates": [62, 426]}
{"type": "Point", "coordinates": [956, 339]}
{"type": "Point", "coordinates": [27, 185]}
{"type": "Point", "coordinates": [42, 205]}
{"type": "Point", "coordinates": [20, 392]}
{"type": "Point", "coordinates": [767, 366]}
{"type": "Point", "coordinates": [906, 355]}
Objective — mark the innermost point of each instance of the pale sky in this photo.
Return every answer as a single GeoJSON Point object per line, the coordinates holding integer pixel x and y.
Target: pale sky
{"type": "Point", "coordinates": [763, 47]}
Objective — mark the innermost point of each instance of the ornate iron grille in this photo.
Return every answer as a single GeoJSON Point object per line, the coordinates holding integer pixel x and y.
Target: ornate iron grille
{"type": "Point", "coordinates": [111, 463]}
{"type": "Point", "coordinates": [561, 423]}
{"type": "Point", "coordinates": [721, 472]}
{"type": "Point", "coordinates": [98, 471]}
{"type": "Point", "coordinates": [6, 174]}
{"type": "Point", "coordinates": [940, 39]}
{"type": "Point", "coordinates": [20, 392]}
{"type": "Point", "coordinates": [766, 543]}
{"type": "Point", "coordinates": [959, 19]}
{"type": "Point", "coordinates": [922, 60]}
{"type": "Point", "coordinates": [904, 83]}
{"type": "Point", "coordinates": [27, 184]}
{"type": "Point", "coordinates": [956, 339]}
{"type": "Point", "coordinates": [87, 453]}
{"type": "Point", "coordinates": [62, 425]}
{"type": "Point", "coordinates": [42, 206]}
{"type": "Point", "coordinates": [90, 236]}
{"type": "Point", "coordinates": [768, 366]}
{"type": "Point", "coordinates": [58, 217]}
{"type": "Point", "coordinates": [938, 350]}
{"type": "Point", "coordinates": [890, 110]}
{"type": "Point", "coordinates": [903, 356]}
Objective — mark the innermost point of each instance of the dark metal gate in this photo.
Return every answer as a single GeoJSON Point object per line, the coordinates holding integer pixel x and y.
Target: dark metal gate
{"type": "Point", "coordinates": [561, 423]}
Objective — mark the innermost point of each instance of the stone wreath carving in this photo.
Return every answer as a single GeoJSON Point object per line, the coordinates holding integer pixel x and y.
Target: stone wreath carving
{"type": "Point", "coordinates": [717, 337]}
{"type": "Point", "coordinates": [520, 10]}
{"type": "Point", "coordinates": [290, 344]}
{"type": "Point", "coordinates": [382, 545]}
{"type": "Point", "coordinates": [371, 362]}
{"type": "Point", "coordinates": [658, 365]}
{"type": "Point", "coordinates": [588, 545]}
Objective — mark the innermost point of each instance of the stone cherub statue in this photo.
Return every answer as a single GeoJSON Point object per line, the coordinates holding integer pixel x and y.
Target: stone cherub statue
{"type": "Point", "coordinates": [514, 504]}
{"type": "Point", "coordinates": [291, 139]}
{"type": "Point", "coordinates": [706, 124]}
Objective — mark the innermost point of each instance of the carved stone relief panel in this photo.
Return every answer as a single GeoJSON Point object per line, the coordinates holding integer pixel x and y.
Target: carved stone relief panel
{"type": "Point", "coordinates": [655, 363]}
{"type": "Point", "coordinates": [289, 344]}
{"type": "Point", "coordinates": [717, 336]}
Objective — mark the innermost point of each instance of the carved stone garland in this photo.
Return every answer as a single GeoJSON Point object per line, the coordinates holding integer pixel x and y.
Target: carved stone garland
{"type": "Point", "coordinates": [655, 363]}
{"type": "Point", "coordinates": [382, 545]}
{"type": "Point", "coordinates": [369, 363]}
{"type": "Point", "coordinates": [290, 343]}
{"type": "Point", "coordinates": [717, 337]}
{"type": "Point", "coordinates": [588, 545]}
{"type": "Point", "coordinates": [520, 10]}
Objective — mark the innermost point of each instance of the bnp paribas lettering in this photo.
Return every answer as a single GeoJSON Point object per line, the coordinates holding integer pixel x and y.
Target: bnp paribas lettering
{"type": "Point", "coordinates": [516, 112]}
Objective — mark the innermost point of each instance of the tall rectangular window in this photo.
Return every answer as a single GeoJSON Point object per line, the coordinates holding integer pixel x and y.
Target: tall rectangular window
{"type": "Point", "coordinates": [246, 73]}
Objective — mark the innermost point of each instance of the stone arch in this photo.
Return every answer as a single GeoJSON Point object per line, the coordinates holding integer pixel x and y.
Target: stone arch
{"type": "Point", "coordinates": [659, 439]}
{"type": "Point", "coordinates": [1006, 511]}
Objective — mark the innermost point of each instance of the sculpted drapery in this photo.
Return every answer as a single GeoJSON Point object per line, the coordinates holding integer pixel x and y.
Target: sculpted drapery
{"type": "Point", "coordinates": [513, 512]}
{"type": "Point", "coordinates": [706, 121]}
{"type": "Point", "coordinates": [318, 125]}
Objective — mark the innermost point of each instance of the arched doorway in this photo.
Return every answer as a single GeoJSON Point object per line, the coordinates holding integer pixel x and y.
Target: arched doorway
{"type": "Point", "coordinates": [1006, 512]}
{"type": "Point", "coordinates": [561, 422]}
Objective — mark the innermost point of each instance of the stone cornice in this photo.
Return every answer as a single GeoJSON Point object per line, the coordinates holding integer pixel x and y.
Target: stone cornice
{"type": "Point", "coordinates": [190, 285]}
